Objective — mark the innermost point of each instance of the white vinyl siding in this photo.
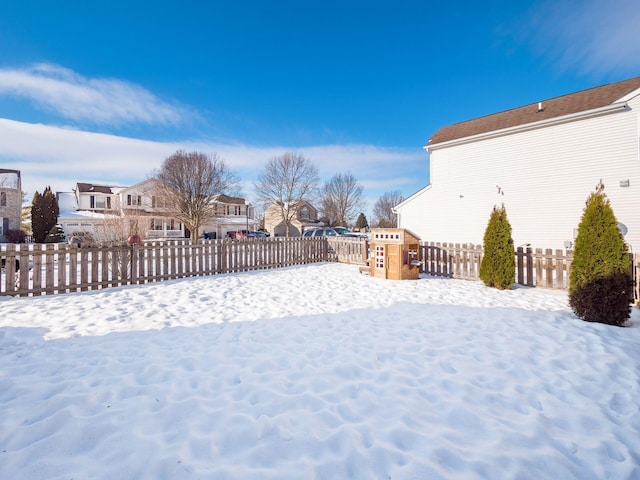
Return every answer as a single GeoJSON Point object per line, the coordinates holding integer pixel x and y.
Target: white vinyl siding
{"type": "Point", "coordinates": [546, 176]}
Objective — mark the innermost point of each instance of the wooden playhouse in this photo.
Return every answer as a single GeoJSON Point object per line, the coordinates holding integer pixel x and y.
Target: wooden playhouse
{"type": "Point", "coordinates": [394, 254]}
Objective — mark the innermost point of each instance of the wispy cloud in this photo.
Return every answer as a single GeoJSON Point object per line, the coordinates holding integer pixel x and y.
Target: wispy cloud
{"type": "Point", "coordinates": [60, 157]}
{"type": "Point", "coordinates": [98, 101]}
{"type": "Point", "coordinates": [590, 36]}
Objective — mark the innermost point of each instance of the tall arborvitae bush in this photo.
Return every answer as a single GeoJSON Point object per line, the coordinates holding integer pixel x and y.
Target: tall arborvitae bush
{"type": "Point", "coordinates": [44, 214]}
{"type": "Point", "coordinates": [601, 286]}
{"type": "Point", "coordinates": [498, 266]}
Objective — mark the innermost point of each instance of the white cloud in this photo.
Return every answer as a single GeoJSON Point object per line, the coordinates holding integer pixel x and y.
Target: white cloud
{"type": "Point", "coordinates": [592, 36]}
{"type": "Point", "coordinates": [60, 157]}
{"type": "Point", "coordinates": [95, 100]}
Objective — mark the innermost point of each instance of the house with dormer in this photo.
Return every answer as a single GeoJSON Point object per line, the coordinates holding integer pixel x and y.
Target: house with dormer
{"type": "Point", "coordinates": [540, 160]}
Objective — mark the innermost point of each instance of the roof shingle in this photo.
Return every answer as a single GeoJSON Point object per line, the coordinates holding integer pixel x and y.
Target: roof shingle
{"type": "Point", "coordinates": [555, 107]}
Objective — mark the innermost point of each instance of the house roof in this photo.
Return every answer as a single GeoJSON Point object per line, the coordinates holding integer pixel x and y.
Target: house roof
{"type": "Point", "coordinates": [582, 101]}
{"type": "Point", "coordinates": [90, 187]}
{"type": "Point", "coordinates": [222, 198]}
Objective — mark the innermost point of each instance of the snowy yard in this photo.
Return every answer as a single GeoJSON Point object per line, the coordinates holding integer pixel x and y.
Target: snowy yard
{"type": "Point", "coordinates": [315, 372]}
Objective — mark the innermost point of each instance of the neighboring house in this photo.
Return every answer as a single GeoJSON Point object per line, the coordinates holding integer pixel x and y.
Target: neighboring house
{"type": "Point", "coordinates": [232, 214]}
{"type": "Point", "coordinates": [541, 161]}
{"type": "Point", "coordinates": [103, 210]}
{"type": "Point", "coordinates": [147, 211]}
{"type": "Point", "coordinates": [10, 201]}
{"type": "Point", "coordinates": [306, 216]}
{"type": "Point", "coordinates": [89, 209]}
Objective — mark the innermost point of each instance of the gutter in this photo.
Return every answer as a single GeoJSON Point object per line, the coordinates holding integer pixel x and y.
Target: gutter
{"type": "Point", "coordinates": [596, 112]}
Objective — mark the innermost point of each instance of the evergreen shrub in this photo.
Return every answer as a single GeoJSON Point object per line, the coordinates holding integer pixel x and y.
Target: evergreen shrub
{"type": "Point", "coordinates": [56, 235]}
{"type": "Point", "coordinates": [600, 283]}
{"type": "Point", "coordinates": [498, 266]}
{"type": "Point", "coordinates": [15, 236]}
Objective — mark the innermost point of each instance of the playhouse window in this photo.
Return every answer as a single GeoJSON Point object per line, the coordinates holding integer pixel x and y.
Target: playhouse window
{"type": "Point", "coordinates": [379, 256]}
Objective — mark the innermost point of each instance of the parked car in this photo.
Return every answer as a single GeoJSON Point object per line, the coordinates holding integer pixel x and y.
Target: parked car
{"type": "Point", "coordinates": [345, 232]}
{"type": "Point", "coordinates": [238, 234]}
{"type": "Point", "coordinates": [320, 232]}
{"type": "Point", "coordinates": [259, 234]}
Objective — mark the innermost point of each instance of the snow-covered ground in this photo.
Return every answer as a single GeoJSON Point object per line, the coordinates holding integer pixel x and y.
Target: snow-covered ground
{"type": "Point", "coordinates": [315, 372]}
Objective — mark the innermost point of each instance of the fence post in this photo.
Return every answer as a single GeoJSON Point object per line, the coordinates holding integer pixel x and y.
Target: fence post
{"type": "Point", "coordinates": [559, 270]}
{"type": "Point", "coordinates": [548, 259]}
{"type": "Point", "coordinates": [529, 261]}
{"type": "Point", "coordinates": [133, 279]}
{"type": "Point", "coordinates": [519, 266]}
{"type": "Point", "coordinates": [539, 275]}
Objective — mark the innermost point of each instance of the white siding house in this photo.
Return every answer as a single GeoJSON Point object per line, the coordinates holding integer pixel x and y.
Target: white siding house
{"type": "Point", "coordinates": [541, 161]}
{"type": "Point", "coordinates": [105, 211]}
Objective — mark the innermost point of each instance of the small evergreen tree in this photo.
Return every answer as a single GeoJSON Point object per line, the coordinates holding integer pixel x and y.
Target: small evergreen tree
{"type": "Point", "coordinates": [44, 214]}
{"type": "Point", "coordinates": [498, 266]}
{"type": "Point", "coordinates": [55, 235]}
{"type": "Point", "coordinates": [600, 283]}
{"type": "Point", "coordinates": [361, 222]}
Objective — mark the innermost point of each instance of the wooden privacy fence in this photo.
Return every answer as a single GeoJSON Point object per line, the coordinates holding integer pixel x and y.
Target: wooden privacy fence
{"type": "Point", "coordinates": [534, 268]}
{"type": "Point", "coordinates": [348, 250]}
{"type": "Point", "coordinates": [540, 268]}
{"type": "Point", "coordinates": [60, 268]}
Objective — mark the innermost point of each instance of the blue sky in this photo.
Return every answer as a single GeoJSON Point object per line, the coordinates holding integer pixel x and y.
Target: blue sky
{"type": "Point", "coordinates": [103, 92]}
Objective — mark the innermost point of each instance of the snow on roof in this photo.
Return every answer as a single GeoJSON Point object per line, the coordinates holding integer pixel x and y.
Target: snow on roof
{"type": "Point", "coordinates": [68, 208]}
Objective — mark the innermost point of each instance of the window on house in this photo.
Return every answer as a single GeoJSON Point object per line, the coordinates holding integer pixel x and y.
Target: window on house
{"type": "Point", "coordinates": [134, 200]}
{"type": "Point", "coordinates": [100, 202]}
{"type": "Point", "coordinates": [2, 224]}
{"type": "Point", "coordinates": [304, 213]}
{"type": "Point", "coordinates": [3, 199]}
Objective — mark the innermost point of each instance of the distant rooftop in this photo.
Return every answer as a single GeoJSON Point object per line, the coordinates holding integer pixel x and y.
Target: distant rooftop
{"type": "Point", "coordinates": [91, 187]}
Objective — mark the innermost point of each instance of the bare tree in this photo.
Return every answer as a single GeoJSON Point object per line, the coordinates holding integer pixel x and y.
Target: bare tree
{"type": "Point", "coordinates": [383, 209]}
{"type": "Point", "coordinates": [114, 228]}
{"type": "Point", "coordinates": [191, 182]}
{"type": "Point", "coordinates": [287, 181]}
{"type": "Point", "coordinates": [341, 199]}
